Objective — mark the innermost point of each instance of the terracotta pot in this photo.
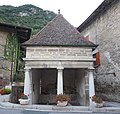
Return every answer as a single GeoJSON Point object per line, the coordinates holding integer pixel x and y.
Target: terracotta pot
{"type": "Point", "coordinates": [64, 103]}
{"type": "Point", "coordinates": [24, 101]}
{"type": "Point", "coordinates": [98, 105]}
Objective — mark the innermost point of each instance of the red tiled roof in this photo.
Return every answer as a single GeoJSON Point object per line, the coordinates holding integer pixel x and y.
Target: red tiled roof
{"type": "Point", "coordinates": [58, 32]}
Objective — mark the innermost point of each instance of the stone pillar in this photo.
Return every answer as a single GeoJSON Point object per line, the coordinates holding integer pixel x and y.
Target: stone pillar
{"type": "Point", "coordinates": [27, 84]}
{"type": "Point", "coordinates": [86, 87]}
{"type": "Point", "coordinates": [60, 80]}
{"type": "Point", "coordinates": [91, 84]}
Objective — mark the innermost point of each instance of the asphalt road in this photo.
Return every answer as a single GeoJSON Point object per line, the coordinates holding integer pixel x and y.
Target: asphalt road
{"type": "Point", "coordinates": [15, 111]}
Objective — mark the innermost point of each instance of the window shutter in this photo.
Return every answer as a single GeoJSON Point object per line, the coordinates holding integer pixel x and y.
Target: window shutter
{"type": "Point", "coordinates": [97, 55]}
{"type": "Point", "coordinates": [98, 58]}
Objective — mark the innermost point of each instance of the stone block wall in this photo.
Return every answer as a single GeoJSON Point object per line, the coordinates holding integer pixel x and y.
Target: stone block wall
{"type": "Point", "coordinates": [5, 98]}
{"type": "Point", "coordinates": [86, 87]}
{"type": "Point", "coordinates": [3, 63]}
{"type": "Point", "coordinates": [58, 53]}
{"type": "Point", "coordinates": [80, 87]}
{"type": "Point", "coordinates": [105, 31]}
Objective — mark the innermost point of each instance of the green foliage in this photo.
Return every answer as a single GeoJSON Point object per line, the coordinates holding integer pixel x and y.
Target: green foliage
{"type": "Point", "coordinates": [26, 16]}
{"type": "Point", "coordinates": [13, 54]}
{"type": "Point", "coordinates": [4, 91]}
{"type": "Point", "coordinates": [96, 99]}
{"type": "Point", "coordinates": [12, 50]}
{"type": "Point", "coordinates": [23, 96]}
{"type": "Point", "coordinates": [7, 90]}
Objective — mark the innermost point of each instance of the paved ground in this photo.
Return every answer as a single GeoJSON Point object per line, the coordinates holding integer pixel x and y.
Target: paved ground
{"type": "Point", "coordinates": [110, 107]}
{"type": "Point", "coordinates": [111, 104]}
{"type": "Point", "coordinates": [15, 111]}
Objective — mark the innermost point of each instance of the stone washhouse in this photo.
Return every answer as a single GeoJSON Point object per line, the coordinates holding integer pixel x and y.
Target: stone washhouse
{"type": "Point", "coordinates": [59, 60]}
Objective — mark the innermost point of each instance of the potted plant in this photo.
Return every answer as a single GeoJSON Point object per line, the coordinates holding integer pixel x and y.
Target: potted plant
{"type": "Point", "coordinates": [97, 101]}
{"type": "Point", "coordinates": [24, 99]}
{"type": "Point", "coordinates": [62, 99]}
{"type": "Point", "coordinates": [5, 94]}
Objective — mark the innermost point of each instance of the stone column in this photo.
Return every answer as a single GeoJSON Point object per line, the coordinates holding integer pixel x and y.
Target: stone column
{"type": "Point", "coordinates": [91, 84]}
{"type": "Point", "coordinates": [86, 87]}
{"type": "Point", "coordinates": [27, 84]}
{"type": "Point", "coordinates": [60, 80]}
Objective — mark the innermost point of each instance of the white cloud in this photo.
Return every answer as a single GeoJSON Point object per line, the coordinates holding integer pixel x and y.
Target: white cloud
{"type": "Point", "coordinates": [75, 11]}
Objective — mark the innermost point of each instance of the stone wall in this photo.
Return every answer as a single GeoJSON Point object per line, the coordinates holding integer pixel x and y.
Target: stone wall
{"type": "Point", "coordinates": [5, 98]}
{"type": "Point", "coordinates": [57, 53]}
{"type": "Point", "coordinates": [80, 82]}
{"type": "Point", "coordinates": [35, 85]}
{"type": "Point", "coordinates": [105, 31]}
{"type": "Point", "coordinates": [3, 63]}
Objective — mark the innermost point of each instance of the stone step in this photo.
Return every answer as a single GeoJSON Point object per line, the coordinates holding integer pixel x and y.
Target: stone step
{"type": "Point", "coordinates": [71, 108]}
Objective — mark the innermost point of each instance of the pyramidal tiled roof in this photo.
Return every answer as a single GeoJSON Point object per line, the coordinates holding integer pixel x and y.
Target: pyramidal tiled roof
{"type": "Point", "coordinates": [59, 32]}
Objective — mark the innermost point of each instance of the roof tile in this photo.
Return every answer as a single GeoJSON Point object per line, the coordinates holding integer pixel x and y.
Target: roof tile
{"type": "Point", "coordinates": [59, 32]}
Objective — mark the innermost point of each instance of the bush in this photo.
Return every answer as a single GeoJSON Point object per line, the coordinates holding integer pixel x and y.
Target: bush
{"type": "Point", "coordinates": [96, 99]}
{"type": "Point", "coordinates": [23, 96]}
{"type": "Point", "coordinates": [61, 98]}
{"type": "Point", "coordinates": [4, 91]}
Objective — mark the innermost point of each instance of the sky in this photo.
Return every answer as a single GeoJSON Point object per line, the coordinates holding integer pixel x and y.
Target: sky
{"type": "Point", "coordinates": [74, 11]}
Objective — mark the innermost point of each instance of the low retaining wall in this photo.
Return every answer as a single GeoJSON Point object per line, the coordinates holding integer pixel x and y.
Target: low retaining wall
{"type": "Point", "coordinates": [5, 98]}
{"type": "Point", "coordinates": [50, 99]}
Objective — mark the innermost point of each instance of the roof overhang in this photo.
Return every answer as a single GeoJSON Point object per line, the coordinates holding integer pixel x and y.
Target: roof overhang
{"type": "Point", "coordinates": [22, 33]}
{"type": "Point", "coordinates": [86, 46]}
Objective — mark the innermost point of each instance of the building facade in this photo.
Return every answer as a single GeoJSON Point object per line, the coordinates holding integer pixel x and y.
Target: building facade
{"type": "Point", "coordinates": [59, 61]}
{"type": "Point", "coordinates": [102, 27]}
{"type": "Point", "coordinates": [10, 38]}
